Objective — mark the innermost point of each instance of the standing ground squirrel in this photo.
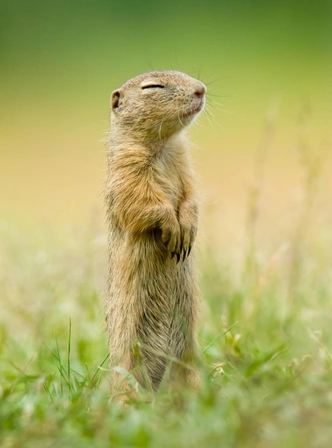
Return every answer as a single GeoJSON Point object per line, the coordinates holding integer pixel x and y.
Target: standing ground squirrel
{"type": "Point", "coordinates": [152, 212]}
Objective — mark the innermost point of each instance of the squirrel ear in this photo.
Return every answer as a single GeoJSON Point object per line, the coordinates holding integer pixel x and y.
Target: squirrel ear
{"type": "Point", "coordinates": [115, 99]}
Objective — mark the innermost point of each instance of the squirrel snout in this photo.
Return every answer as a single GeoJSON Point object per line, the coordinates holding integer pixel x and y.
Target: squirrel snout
{"type": "Point", "coordinates": [200, 90]}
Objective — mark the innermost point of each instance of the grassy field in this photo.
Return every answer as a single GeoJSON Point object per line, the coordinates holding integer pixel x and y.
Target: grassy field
{"type": "Point", "coordinates": [265, 339]}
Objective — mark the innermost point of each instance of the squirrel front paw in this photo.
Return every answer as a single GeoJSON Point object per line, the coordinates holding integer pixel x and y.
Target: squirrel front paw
{"type": "Point", "coordinates": [171, 237]}
{"type": "Point", "coordinates": [188, 235]}
{"type": "Point", "coordinates": [188, 220]}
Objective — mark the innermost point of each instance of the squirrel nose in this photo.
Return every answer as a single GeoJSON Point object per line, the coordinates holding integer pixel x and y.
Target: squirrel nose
{"type": "Point", "coordinates": [200, 91]}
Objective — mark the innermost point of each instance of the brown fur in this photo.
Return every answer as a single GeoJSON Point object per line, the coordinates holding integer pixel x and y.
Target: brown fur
{"type": "Point", "coordinates": [152, 210]}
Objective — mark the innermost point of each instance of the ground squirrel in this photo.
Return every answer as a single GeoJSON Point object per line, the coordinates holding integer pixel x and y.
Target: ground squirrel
{"type": "Point", "coordinates": [152, 211]}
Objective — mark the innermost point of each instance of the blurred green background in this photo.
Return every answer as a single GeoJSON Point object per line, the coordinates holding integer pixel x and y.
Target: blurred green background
{"type": "Point", "coordinates": [61, 60]}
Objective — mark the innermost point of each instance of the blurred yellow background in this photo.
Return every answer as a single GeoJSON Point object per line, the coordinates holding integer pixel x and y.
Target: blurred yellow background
{"type": "Point", "coordinates": [260, 60]}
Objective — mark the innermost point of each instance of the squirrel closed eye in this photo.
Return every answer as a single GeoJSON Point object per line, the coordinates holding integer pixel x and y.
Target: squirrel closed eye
{"type": "Point", "coordinates": [151, 86]}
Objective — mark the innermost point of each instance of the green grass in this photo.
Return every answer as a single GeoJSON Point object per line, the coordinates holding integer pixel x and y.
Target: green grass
{"type": "Point", "coordinates": [265, 337]}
